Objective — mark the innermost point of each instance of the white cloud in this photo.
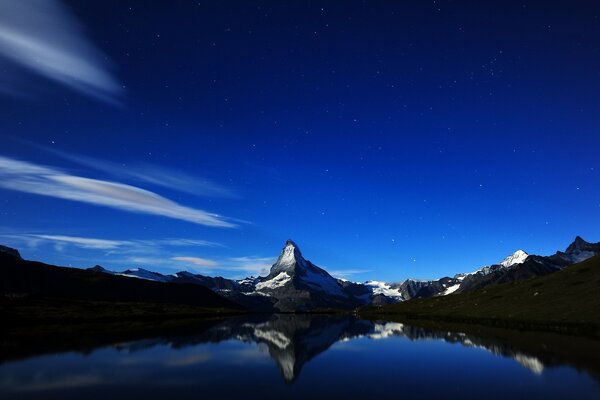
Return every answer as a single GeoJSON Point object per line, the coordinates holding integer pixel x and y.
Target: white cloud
{"type": "Point", "coordinates": [31, 178]}
{"type": "Point", "coordinates": [180, 242]}
{"type": "Point", "coordinates": [345, 273]}
{"type": "Point", "coordinates": [144, 172]}
{"type": "Point", "coordinates": [252, 265]}
{"type": "Point", "coordinates": [43, 37]}
{"type": "Point", "coordinates": [115, 246]}
{"type": "Point", "coordinates": [196, 261]}
{"type": "Point", "coordinates": [147, 253]}
{"type": "Point", "coordinates": [86, 243]}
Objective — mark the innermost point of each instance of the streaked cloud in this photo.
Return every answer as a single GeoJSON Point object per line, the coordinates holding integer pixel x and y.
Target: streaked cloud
{"type": "Point", "coordinates": [196, 261]}
{"type": "Point", "coordinates": [146, 262]}
{"type": "Point", "coordinates": [235, 267]}
{"type": "Point", "coordinates": [116, 246]}
{"type": "Point", "coordinates": [250, 264]}
{"type": "Point", "coordinates": [149, 173]}
{"type": "Point", "coordinates": [46, 181]}
{"type": "Point", "coordinates": [86, 243]}
{"type": "Point", "coordinates": [181, 242]}
{"type": "Point", "coordinates": [164, 254]}
{"type": "Point", "coordinates": [346, 273]}
{"type": "Point", "coordinates": [43, 37]}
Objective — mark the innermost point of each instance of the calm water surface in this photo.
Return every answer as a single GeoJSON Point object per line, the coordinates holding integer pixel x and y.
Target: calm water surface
{"type": "Point", "coordinates": [283, 356]}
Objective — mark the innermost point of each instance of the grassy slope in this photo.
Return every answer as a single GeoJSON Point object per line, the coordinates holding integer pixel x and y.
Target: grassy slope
{"type": "Point", "coordinates": [567, 298]}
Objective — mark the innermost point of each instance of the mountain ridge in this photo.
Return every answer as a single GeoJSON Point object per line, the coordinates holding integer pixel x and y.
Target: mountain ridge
{"type": "Point", "coordinates": [296, 284]}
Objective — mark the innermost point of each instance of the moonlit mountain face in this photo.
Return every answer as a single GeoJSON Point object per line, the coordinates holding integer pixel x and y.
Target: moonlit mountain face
{"type": "Point", "coordinates": [518, 257]}
{"type": "Point", "coordinates": [298, 284]}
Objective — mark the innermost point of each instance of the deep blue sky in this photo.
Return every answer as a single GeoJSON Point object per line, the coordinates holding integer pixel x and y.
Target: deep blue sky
{"type": "Point", "coordinates": [388, 139]}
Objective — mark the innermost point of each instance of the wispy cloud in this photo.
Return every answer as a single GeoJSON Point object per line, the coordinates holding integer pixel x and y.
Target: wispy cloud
{"type": "Point", "coordinates": [32, 178]}
{"type": "Point", "coordinates": [162, 253]}
{"type": "Point", "coordinates": [43, 37]}
{"type": "Point", "coordinates": [234, 267]}
{"type": "Point", "coordinates": [196, 261]}
{"type": "Point", "coordinates": [143, 172]}
{"type": "Point", "coordinates": [115, 246]}
{"type": "Point", "coordinates": [250, 264]}
{"type": "Point", "coordinates": [86, 243]}
{"type": "Point", "coordinates": [346, 273]}
{"type": "Point", "coordinates": [181, 242]}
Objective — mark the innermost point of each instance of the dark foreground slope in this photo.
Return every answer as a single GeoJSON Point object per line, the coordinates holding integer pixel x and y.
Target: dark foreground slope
{"type": "Point", "coordinates": [565, 300]}
{"type": "Point", "coordinates": [33, 290]}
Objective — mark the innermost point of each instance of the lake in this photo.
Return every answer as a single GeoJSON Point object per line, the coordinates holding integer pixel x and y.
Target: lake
{"type": "Point", "coordinates": [297, 357]}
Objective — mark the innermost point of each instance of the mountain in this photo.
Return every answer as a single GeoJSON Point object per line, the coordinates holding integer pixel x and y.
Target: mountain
{"type": "Point", "coordinates": [10, 252]}
{"type": "Point", "coordinates": [579, 250]}
{"type": "Point", "coordinates": [24, 281]}
{"type": "Point", "coordinates": [296, 284]}
{"type": "Point", "coordinates": [415, 288]}
{"type": "Point", "coordinates": [515, 267]}
{"type": "Point", "coordinates": [293, 284]}
{"type": "Point", "coordinates": [566, 299]}
{"type": "Point", "coordinates": [518, 257]}
{"type": "Point", "coordinates": [529, 266]}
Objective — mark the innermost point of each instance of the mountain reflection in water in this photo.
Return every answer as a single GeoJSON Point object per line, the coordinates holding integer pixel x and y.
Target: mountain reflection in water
{"type": "Point", "coordinates": [293, 340]}
{"type": "Point", "coordinates": [247, 343]}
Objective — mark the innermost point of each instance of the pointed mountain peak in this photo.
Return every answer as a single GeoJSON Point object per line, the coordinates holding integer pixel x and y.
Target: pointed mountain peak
{"type": "Point", "coordinates": [10, 251]}
{"type": "Point", "coordinates": [577, 245]}
{"type": "Point", "coordinates": [289, 259]}
{"type": "Point", "coordinates": [99, 268]}
{"type": "Point", "coordinates": [291, 243]}
{"type": "Point", "coordinates": [290, 254]}
{"type": "Point", "coordinates": [518, 257]}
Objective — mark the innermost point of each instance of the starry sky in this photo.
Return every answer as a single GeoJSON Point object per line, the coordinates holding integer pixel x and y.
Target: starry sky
{"type": "Point", "coordinates": [388, 139]}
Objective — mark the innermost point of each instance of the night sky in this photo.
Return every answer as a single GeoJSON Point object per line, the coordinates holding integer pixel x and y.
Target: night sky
{"type": "Point", "coordinates": [388, 139]}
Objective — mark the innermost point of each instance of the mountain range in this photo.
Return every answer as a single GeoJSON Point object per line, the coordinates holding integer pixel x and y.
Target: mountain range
{"type": "Point", "coordinates": [295, 284]}
{"type": "Point", "coordinates": [24, 281]}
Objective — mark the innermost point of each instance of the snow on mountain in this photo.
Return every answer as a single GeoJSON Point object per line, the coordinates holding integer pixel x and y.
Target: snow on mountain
{"type": "Point", "coordinates": [385, 289]}
{"type": "Point", "coordinates": [145, 274]}
{"type": "Point", "coordinates": [279, 280]}
{"type": "Point", "coordinates": [247, 281]}
{"type": "Point", "coordinates": [518, 257]}
{"type": "Point", "coordinates": [319, 279]}
{"type": "Point", "coordinates": [289, 257]}
{"type": "Point", "coordinates": [292, 268]}
{"type": "Point", "coordinates": [295, 283]}
{"type": "Point", "coordinates": [450, 289]}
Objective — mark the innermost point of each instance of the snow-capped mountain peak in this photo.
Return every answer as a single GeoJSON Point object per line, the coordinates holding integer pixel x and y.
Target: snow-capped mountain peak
{"type": "Point", "coordinates": [518, 257]}
{"type": "Point", "coordinates": [145, 274]}
{"type": "Point", "coordinates": [385, 289]}
{"type": "Point", "coordinates": [289, 259]}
